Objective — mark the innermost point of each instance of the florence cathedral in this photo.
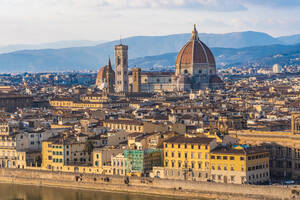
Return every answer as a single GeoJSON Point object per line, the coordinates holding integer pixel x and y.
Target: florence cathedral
{"type": "Point", "coordinates": [195, 69]}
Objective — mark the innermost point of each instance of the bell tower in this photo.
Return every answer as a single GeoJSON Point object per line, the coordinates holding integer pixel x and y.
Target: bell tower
{"type": "Point", "coordinates": [121, 70]}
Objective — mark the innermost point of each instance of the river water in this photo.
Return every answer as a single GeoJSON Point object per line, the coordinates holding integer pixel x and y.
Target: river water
{"type": "Point", "coordinates": [21, 192]}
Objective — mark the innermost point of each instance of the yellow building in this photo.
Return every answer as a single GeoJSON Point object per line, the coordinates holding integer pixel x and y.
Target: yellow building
{"type": "Point", "coordinates": [4, 128]}
{"type": "Point", "coordinates": [59, 154]}
{"type": "Point", "coordinates": [70, 104]}
{"type": "Point", "coordinates": [239, 164]}
{"type": "Point", "coordinates": [186, 158]}
{"type": "Point", "coordinates": [9, 156]}
{"type": "Point", "coordinates": [90, 104]}
{"type": "Point", "coordinates": [52, 155]}
{"type": "Point", "coordinates": [202, 159]}
{"type": "Point", "coordinates": [126, 125]}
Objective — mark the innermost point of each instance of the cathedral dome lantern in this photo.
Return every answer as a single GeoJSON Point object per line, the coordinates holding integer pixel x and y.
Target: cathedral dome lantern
{"type": "Point", "coordinates": [195, 58]}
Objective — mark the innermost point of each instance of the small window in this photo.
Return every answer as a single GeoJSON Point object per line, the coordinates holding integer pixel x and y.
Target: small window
{"type": "Point", "coordinates": [185, 71]}
{"type": "Point", "coordinates": [231, 158]}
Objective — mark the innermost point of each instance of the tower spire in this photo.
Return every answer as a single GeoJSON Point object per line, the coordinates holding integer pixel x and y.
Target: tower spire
{"type": "Point", "coordinates": [109, 63]}
{"type": "Point", "coordinates": [109, 78]}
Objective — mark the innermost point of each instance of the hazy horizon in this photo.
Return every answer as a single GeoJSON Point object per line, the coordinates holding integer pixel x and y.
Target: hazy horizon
{"type": "Point", "coordinates": [116, 39]}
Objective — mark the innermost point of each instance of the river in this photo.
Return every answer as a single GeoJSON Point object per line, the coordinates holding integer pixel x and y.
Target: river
{"type": "Point", "coordinates": [25, 192]}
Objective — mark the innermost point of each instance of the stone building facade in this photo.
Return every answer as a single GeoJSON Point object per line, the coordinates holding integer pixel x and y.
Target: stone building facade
{"type": "Point", "coordinates": [11, 102]}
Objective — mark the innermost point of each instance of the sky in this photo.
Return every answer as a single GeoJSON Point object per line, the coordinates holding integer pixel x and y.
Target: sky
{"type": "Point", "coordinates": [41, 21]}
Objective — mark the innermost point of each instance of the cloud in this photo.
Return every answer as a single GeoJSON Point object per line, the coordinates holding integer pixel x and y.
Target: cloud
{"type": "Point", "coordinates": [35, 21]}
{"type": "Point", "coordinates": [215, 5]}
{"type": "Point", "coordinates": [273, 3]}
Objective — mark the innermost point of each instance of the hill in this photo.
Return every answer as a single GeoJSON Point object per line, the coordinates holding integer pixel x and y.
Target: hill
{"type": "Point", "coordinates": [292, 39]}
{"type": "Point", "coordinates": [262, 55]}
{"type": "Point", "coordinates": [93, 57]}
{"type": "Point", "coordinates": [51, 45]}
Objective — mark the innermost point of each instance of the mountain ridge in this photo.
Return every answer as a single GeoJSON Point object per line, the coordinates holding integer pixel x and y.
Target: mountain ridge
{"type": "Point", "coordinates": [225, 57]}
{"type": "Point", "coordinates": [93, 57]}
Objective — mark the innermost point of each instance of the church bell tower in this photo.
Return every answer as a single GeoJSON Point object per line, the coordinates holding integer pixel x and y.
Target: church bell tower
{"type": "Point", "coordinates": [121, 70]}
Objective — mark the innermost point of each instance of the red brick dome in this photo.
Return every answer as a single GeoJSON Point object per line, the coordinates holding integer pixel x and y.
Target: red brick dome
{"type": "Point", "coordinates": [195, 52]}
{"type": "Point", "coordinates": [102, 73]}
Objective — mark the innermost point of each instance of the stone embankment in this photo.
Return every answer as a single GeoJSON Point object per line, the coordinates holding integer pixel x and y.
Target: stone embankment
{"type": "Point", "coordinates": [188, 189]}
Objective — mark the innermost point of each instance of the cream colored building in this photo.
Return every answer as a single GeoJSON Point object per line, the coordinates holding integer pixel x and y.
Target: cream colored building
{"type": "Point", "coordinates": [9, 156]}
{"type": "Point", "coordinates": [118, 164]}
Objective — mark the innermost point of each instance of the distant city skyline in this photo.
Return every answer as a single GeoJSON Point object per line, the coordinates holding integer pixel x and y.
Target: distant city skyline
{"type": "Point", "coordinates": [34, 22]}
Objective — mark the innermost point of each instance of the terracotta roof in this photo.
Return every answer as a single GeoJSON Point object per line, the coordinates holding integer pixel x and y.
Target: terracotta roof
{"type": "Point", "coordinates": [187, 140]}
{"type": "Point", "coordinates": [244, 151]}
{"type": "Point", "coordinates": [128, 122]}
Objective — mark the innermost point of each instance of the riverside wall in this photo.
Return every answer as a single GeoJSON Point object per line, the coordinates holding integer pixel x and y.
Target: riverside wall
{"type": "Point", "coordinates": [147, 185]}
